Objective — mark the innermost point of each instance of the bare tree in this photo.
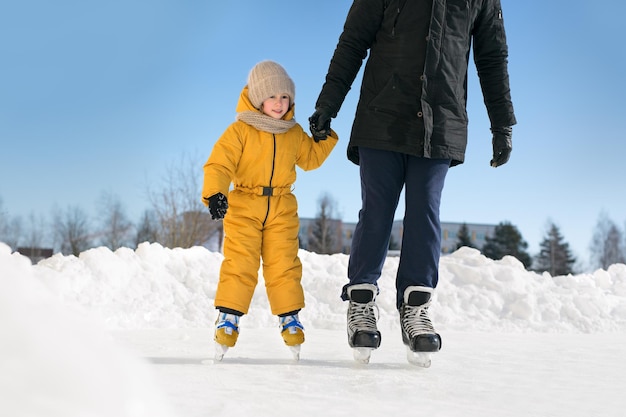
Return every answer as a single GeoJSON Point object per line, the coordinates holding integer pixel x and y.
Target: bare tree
{"type": "Point", "coordinates": [71, 230]}
{"type": "Point", "coordinates": [326, 230]}
{"type": "Point", "coordinates": [183, 221]}
{"type": "Point", "coordinates": [10, 228]}
{"type": "Point", "coordinates": [35, 235]}
{"type": "Point", "coordinates": [116, 228]}
{"type": "Point", "coordinates": [147, 231]}
{"type": "Point", "coordinates": [607, 244]}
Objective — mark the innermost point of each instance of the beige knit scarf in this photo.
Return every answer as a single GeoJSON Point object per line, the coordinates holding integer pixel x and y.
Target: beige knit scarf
{"type": "Point", "coordinates": [264, 122]}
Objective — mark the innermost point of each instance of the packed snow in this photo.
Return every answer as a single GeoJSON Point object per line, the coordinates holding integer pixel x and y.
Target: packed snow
{"type": "Point", "coordinates": [129, 333]}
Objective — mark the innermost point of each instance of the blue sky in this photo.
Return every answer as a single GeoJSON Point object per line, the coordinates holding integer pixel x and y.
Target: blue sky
{"type": "Point", "coordinates": [104, 96]}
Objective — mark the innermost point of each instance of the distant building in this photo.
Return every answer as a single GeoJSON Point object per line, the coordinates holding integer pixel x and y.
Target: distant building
{"type": "Point", "coordinates": [477, 232]}
{"type": "Point", "coordinates": [449, 235]}
{"type": "Point", "coordinates": [35, 254]}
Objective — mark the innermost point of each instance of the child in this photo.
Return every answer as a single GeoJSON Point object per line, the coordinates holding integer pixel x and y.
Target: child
{"type": "Point", "coordinates": [258, 153]}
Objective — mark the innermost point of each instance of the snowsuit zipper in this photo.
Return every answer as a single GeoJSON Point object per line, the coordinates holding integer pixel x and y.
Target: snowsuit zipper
{"type": "Point", "coordinates": [271, 178]}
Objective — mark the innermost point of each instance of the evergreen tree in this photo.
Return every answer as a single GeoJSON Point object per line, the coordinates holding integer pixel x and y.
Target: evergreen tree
{"type": "Point", "coordinates": [507, 240]}
{"type": "Point", "coordinates": [554, 255]}
{"type": "Point", "coordinates": [464, 238]}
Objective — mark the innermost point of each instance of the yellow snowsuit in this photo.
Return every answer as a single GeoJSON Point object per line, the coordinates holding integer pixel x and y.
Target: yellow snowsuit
{"type": "Point", "coordinates": [262, 218]}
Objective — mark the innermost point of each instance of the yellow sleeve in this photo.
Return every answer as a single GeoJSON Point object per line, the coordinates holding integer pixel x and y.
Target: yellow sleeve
{"type": "Point", "coordinates": [311, 154]}
{"type": "Point", "coordinates": [221, 166]}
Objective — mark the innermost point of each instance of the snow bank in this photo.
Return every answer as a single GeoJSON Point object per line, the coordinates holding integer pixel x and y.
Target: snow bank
{"type": "Point", "coordinates": [54, 362]}
{"type": "Point", "coordinates": [156, 287]}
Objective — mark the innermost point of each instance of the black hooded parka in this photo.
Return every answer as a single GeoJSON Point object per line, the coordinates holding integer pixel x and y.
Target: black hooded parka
{"type": "Point", "coordinates": [414, 90]}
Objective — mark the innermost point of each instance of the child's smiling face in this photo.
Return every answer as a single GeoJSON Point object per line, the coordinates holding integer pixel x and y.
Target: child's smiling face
{"type": "Point", "coordinates": [276, 106]}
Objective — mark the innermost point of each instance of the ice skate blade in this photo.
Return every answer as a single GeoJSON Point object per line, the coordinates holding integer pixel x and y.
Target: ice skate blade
{"type": "Point", "coordinates": [421, 359]}
{"type": "Point", "coordinates": [362, 354]}
{"type": "Point", "coordinates": [295, 351]}
{"type": "Point", "coordinates": [220, 351]}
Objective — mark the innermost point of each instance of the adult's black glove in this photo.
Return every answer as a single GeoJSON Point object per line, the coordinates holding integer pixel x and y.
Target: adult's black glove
{"type": "Point", "coordinates": [502, 145]}
{"type": "Point", "coordinates": [218, 204]}
{"type": "Point", "coordinates": [319, 123]}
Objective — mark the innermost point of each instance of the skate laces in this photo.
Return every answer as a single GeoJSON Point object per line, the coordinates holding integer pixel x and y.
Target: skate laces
{"type": "Point", "coordinates": [363, 316]}
{"type": "Point", "coordinates": [292, 323]}
{"type": "Point", "coordinates": [415, 320]}
{"type": "Point", "coordinates": [228, 322]}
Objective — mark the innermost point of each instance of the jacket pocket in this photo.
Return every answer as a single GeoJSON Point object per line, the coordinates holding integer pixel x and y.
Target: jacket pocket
{"type": "Point", "coordinates": [397, 97]}
{"type": "Point", "coordinates": [457, 27]}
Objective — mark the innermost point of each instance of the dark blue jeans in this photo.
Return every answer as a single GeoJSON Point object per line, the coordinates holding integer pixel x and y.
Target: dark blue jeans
{"type": "Point", "coordinates": [383, 175]}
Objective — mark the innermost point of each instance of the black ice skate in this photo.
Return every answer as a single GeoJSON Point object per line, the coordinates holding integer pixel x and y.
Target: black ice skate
{"type": "Point", "coordinates": [363, 335]}
{"type": "Point", "coordinates": [418, 333]}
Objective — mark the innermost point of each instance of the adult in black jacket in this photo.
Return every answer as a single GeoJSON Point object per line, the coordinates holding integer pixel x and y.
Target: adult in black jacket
{"type": "Point", "coordinates": [410, 127]}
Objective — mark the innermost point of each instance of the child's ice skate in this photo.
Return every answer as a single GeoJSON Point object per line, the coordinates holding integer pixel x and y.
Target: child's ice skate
{"type": "Point", "coordinates": [292, 332]}
{"type": "Point", "coordinates": [226, 333]}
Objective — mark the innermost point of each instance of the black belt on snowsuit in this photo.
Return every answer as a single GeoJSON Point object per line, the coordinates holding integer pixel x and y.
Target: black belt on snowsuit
{"type": "Point", "coordinates": [265, 191]}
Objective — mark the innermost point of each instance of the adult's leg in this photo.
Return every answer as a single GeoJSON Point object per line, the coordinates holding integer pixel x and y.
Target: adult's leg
{"type": "Point", "coordinates": [421, 238]}
{"type": "Point", "coordinates": [382, 179]}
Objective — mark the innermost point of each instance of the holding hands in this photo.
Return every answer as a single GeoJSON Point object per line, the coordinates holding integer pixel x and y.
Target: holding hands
{"type": "Point", "coordinates": [319, 123]}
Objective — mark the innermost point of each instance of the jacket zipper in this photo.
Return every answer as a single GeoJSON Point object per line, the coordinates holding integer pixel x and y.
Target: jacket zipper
{"type": "Point", "coordinates": [271, 178]}
{"type": "Point", "coordinates": [395, 21]}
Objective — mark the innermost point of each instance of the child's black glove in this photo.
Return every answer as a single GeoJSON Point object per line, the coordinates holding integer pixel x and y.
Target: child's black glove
{"type": "Point", "coordinates": [502, 145]}
{"type": "Point", "coordinates": [218, 204]}
{"type": "Point", "coordinates": [319, 123]}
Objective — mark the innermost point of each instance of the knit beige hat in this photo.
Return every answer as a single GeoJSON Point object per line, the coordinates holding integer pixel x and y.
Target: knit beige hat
{"type": "Point", "coordinates": [266, 79]}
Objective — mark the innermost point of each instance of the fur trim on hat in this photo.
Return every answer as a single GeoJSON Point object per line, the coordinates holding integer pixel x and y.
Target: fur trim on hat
{"type": "Point", "coordinates": [267, 79]}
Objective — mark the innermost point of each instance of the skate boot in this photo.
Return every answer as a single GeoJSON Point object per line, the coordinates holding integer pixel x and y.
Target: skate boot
{"type": "Point", "coordinates": [418, 333]}
{"type": "Point", "coordinates": [363, 335]}
{"type": "Point", "coordinates": [226, 333]}
{"type": "Point", "coordinates": [292, 332]}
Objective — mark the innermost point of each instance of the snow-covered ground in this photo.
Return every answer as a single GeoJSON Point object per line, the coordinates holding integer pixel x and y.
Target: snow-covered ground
{"type": "Point", "coordinates": [129, 333]}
